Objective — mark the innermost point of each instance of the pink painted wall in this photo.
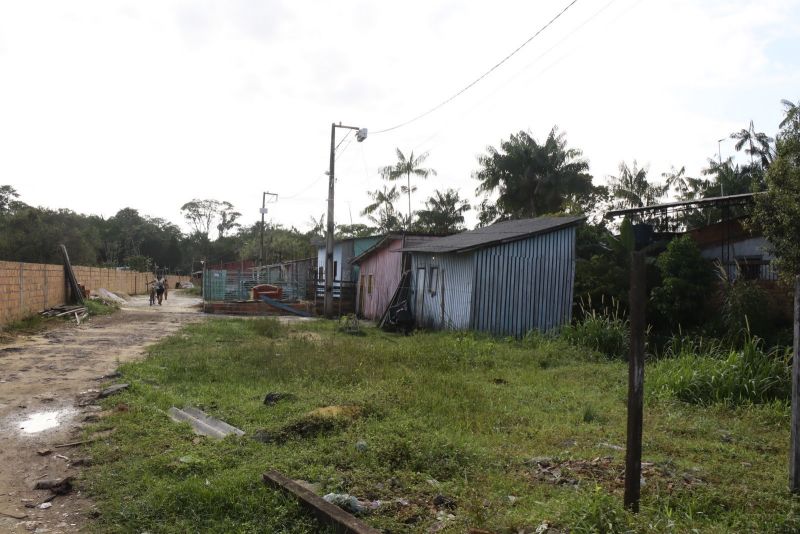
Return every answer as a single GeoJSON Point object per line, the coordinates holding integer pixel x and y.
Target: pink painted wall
{"type": "Point", "coordinates": [384, 265]}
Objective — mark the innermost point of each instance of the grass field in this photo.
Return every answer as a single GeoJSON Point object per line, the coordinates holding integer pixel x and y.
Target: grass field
{"type": "Point", "coordinates": [448, 431]}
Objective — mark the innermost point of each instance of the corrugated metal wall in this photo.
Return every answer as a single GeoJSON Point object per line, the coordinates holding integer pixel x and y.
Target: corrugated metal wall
{"type": "Point", "coordinates": [442, 288]}
{"type": "Point", "coordinates": [524, 285]}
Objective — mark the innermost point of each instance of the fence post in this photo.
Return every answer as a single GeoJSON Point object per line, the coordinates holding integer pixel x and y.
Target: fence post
{"type": "Point", "coordinates": [633, 448]}
{"type": "Point", "coordinates": [794, 454]}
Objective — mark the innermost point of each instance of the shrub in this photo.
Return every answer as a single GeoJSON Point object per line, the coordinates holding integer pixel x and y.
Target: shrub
{"type": "Point", "coordinates": [686, 282]}
{"type": "Point", "coordinates": [745, 308]}
{"type": "Point", "coordinates": [604, 331]}
{"type": "Point", "coordinates": [749, 375]}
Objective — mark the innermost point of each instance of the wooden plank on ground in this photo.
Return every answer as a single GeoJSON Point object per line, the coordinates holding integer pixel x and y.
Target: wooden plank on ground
{"type": "Point", "coordinates": [326, 512]}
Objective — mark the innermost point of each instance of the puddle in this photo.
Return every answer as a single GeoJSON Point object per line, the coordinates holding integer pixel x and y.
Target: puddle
{"type": "Point", "coordinates": [41, 421]}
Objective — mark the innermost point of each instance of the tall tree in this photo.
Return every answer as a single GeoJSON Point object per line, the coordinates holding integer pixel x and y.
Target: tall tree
{"type": "Point", "coordinates": [530, 178]}
{"type": "Point", "coordinates": [381, 212]}
{"type": "Point", "coordinates": [200, 214]}
{"type": "Point", "coordinates": [227, 218]}
{"type": "Point", "coordinates": [632, 189]}
{"type": "Point", "coordinates": [777, 212]}
{"type": "Point", "coordinates": [443, 213]}
{"type": "Point", "coordinates": [792, 114]}
{"type": "Point", "coordinates": [758, 144]}
{"type": "Point", "coordinates": [405, 167]}
{"type": "Point", "coordinates": [7, 196]}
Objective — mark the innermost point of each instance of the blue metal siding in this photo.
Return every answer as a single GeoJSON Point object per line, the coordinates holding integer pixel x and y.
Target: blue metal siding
{"type": "Point", "coordinates": [449, 307]}
{"type": "Point", "coordinates": [524, 285]}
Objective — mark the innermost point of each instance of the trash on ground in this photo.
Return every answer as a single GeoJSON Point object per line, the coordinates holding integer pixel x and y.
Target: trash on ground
{"type": "Point", "coordinates": [345, 501]}
{"type": "Point", "coordinates": [59, 486]}
{"type": "Point", "coordinates": [274, 396]}
{"type": "Point", "coordinates": [611, 446]}
{"type": "Point", "coordinates": [112, 390]}
{"type": "Point", "coordinates": [202, 423]}
{"type": "Point", "coordinates": [106, 296]}
{"type": "Point", "coordinates": [324, 510]}
{"type": "Point", "coordinates": [45, 505]}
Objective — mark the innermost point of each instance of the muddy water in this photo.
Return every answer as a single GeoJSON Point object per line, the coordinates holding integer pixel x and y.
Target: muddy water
{"type": "Point", "coordinates": [45, 420]}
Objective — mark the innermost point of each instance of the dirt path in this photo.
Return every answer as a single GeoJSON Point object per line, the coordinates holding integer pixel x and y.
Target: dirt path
{"type": "Point", "coordinates": [40, 377]}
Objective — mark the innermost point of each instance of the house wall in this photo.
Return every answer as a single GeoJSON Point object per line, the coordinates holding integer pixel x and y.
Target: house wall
{"type": "Point", "coordinates": [445, 302]}
{"type": "Point", "coordinates": [385, 266]}
{"type": "Point", "coordinates": [751, 246]}
{"type": "Point", "coordinates": [525, 285]}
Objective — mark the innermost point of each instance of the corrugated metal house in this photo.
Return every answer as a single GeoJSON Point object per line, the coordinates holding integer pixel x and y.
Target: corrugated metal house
{"type": "Point", "coordinates": [505, 279]}
{"type": "Point", "coordinates": [380, 269]}
{"type": "Point", "coordinates": [344, 250]}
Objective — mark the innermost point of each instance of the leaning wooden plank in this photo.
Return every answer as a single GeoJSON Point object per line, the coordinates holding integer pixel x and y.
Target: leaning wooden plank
{"type": "Point", "coordinates": [326, 512]}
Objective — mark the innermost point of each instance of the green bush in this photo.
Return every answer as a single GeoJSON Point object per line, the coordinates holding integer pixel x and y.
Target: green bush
{"type": "Point", "coordinates": [605, 331]}
{"type": "Point", "coordinates": [687, 280]}
{"type": "Point", "coordinates": [749, 375]}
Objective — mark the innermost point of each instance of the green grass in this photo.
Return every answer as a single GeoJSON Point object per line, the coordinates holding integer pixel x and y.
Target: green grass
{"type": "Point", "coordinates": [95, 307]}
{"type": "Point", "coordinates": [440, 413]}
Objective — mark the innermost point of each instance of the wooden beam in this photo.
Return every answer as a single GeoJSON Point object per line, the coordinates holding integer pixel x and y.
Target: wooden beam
{"type": "Point", "coordinates": [326, 512]}
{"type": "Point", "coordinates": [633, 449]}
{"type": "Point", "coordinates": [794, 455]}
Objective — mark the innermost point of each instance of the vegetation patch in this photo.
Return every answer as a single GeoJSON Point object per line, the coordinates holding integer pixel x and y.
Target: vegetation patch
{"type": "Point", "coordinates": [441, 439]}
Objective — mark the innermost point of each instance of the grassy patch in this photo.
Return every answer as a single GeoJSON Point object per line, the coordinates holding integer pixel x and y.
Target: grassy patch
{"type": "Point", "coordinates": [502, 435]}
{"type": "Point", "coordinates": [95, 307]}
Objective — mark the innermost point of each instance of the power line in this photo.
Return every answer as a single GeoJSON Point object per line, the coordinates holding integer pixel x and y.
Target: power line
{"type": "Point", "coordinates": [503, 86]}
{"type": "Point", "coordinates": [481, 77]}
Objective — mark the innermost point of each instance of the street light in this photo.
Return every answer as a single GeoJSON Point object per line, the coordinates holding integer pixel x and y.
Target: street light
{"type": "Point", "coordinates": [361, 134]}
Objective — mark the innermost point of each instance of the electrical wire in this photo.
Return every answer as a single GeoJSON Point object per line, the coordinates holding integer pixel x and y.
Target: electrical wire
{"type": "Point", "coordinates": [336, 158]}
{"type": "Point", "coordinates": [481, 77]}
{"type": "Point", "coordinates": [558, 60]}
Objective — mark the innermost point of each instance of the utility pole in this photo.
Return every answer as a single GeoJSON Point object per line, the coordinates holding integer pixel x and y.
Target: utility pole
{"type": "Point", "coordinates": [261, 257]}
{"type": "Point", "coordinates": [794, 454]}
{"type": "Point", "coordinates": [361, 134]}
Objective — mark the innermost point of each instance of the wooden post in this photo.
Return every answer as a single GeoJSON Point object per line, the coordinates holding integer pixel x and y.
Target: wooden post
{"type": "Point", "coordinates": [794, 453]}
{"type": "Point", "coordinates": [633, 449]}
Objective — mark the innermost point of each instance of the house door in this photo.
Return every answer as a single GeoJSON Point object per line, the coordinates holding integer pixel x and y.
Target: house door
{"type": "Point", "coordinates": [419, 295]}
{"type": "Point", "coordinates": [360, 310]}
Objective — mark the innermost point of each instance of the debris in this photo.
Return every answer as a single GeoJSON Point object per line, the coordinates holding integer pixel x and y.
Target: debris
{"type": "Point", "coordinates": [62, 457]}
{"type": "Point", "coordinates": [345, 501]}
{"type": "Point", "coordinates": [442, 501]}
{"type": "Point", "coordinates": [442, 516]}
{"type": "Point", "coordinates": [325, 511]}
{"type": "Point", "coordinates": [110, 376]}
{"type": "Point", "coordinates": [85, 398]}
{"type": "Point", "coordinates": [203, 424]}
{"type": "Point", "coordinates": [73, 444]}
{"type": "Point", "coordinates": [59, 311]}
{"type": "Point", "coordinates": [12, 514]}
{"type": "Point", "coordinates": [112, 390]}
{"type": "Point", "coordinates": [611, 446]}
{"type": "Point", "coordinates": [59, 486]}
{"type": "Point", "coordinates": [273, 397]}
{"type": "Point", "coordinates": [361, 445]}
{"type": "Point", "coordinates": [107, 297]}
{"type": "Point", "coordinates": [512, 499]}
{"type": "Point", "coordinates": [45, 505]}
{"type": "Point", "coordinates": [43, 452]}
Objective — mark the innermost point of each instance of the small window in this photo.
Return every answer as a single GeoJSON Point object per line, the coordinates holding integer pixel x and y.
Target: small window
{"type": "Point", "coordinates": [750, 266]}
{"type": "Point", "coordinates": [369, 285]}
{"type": "Point", "coordinates": [321, 273]}
{"type": "Point", "coordinates": [335, 267]}
{"type": "Point", "coordinates": [433, 280]}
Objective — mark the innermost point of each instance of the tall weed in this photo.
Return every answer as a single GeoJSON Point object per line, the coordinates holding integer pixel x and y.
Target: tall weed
{"type": "Point", "coordinates": [748, 375]}
{"type": "Point", "coordinates": [606, 331]}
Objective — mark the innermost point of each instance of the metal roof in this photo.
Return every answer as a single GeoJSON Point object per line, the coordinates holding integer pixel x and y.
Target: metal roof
{"type": "Point", "coordinates": [420, 237]}
{"type": "Point", "coordinates": [502, 232]}
{"type": "Point", "coordinates": [729, 199]}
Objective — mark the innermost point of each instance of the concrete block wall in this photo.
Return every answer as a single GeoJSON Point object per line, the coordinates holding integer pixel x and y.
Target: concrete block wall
{"type": "Point", "coordinates": [28, 288]}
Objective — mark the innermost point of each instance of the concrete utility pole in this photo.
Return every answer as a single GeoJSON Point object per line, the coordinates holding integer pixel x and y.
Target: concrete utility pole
{"type": "Point", "coordinates": [361, 134]}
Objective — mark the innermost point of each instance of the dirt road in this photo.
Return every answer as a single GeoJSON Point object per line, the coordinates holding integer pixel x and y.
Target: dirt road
{"type": "Point", "coordinates": [40, 378]}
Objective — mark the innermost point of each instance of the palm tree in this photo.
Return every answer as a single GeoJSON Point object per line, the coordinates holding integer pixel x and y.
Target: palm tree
{"type": "Point", "coordinates": [406, 166]}
{"type": "Point", "coordinates": [759, 144]}
{"type": "Point", "coordinates": [792, 113]}
{"type": "Point", "coordinates": [632, 189]}
{"type": "Point", "coordinates": [381, 211]}
{"type": "Point", "coordinates": [677, 179]}
{"type": "Point", "coordinates": [443, 213]}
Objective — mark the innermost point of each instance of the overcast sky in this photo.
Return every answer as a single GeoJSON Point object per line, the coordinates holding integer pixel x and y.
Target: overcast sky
{"type": "Point", "coordinates": [148, 104]}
